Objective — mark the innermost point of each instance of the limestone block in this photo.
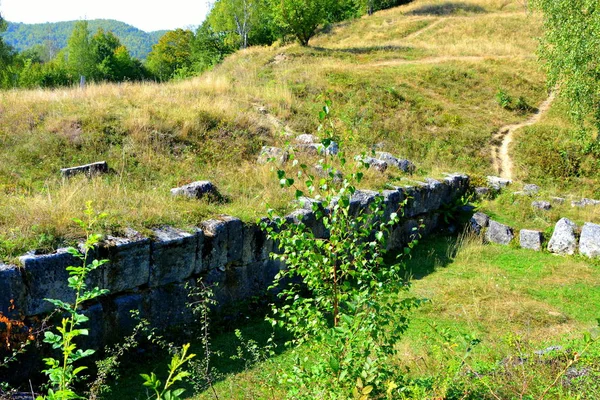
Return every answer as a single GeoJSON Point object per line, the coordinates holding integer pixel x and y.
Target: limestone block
{"type": "Point", "coordinates": [309, 220]}
{"type": "Point", "coordinates": [585, 203]}
{"type": "Point", "coordinates": [563, 240]}
{"type": "Point", "coordinates": [499, 233]}
{"type": "Point", "coordinates": [403, 165]}
{"type": "Point", "coordinates": [200, 259]}
{"type": "Point", "coordinates": [167, 306]}
{"type": "Point", "coordinates": [96, 168]}
{"type": "Point", "coordinates": [96, 328]}
{"type": "Point", "coordinates": [589, 243]}
{"type": "Point", "coordinates": [46, 277]}
{"type": "Point", "coordinates": [120, 321]}
{"type": "Point", "coordinates": [541, 205]}
{"type": "Point", "coordinates": [376, 164]}
{"type": "Point", "coordinates": [129, 261]}
{"type": "Point", "coordinates": [424, 198]}
{"type": "Point", "coordinates": [223, 241]}
{"type": "Point", "coordinates": [320, 171]}
{"type": "Point", "coordinates": [479, 221]}
{"type": "Point", "coordinates": [530, 239]}
{"type": "Point", "coordinates": [497, 183]}
{"type": "Point", "coordinates": [12, 288]}
{"type": "Point", "coordinates": [361, 200]}
{"type": "Point", "coordinates": [198, 190]}
{"type": "Point", "coordinates": [280, 156]}
{"type": "Point", "coordinates": [482, 192]}
{"type": "Point", "coordinates": [173, 256]}
{"type": "Point", "coordinates": [531, 189]}
{"type": "Point", "coordinates": [392, 200]}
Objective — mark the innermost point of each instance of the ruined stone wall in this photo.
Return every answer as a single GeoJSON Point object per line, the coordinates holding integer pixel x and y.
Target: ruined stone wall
{"type": "Point", "coordinates": [149, 275]}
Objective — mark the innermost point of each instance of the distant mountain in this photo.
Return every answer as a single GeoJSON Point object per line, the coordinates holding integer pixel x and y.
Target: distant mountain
{"type": "Point", "coordinates": [23, 36]}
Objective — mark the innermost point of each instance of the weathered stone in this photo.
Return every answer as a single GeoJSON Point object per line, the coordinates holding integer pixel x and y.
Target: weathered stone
{"type": "Point", "coordinates": [93, 169]}
{"type": "Point", "coordinates": [319, 148]}
{"type": "Point", "coordinates": [563, 240]}
{"type": "Point", "coordinates": [479, 221]}
{"type": "Point", "coordinates": [173, 257]}
{"type": "Point", "coordinates": [129, 265]}
{"type": "Point", "coordinates": [402, 165]}
{"type": "Point", "coordinates": [223, 241]}
{"type": "Point", "coordinates": [12, 290]}
{"type": "Point", "coordinates": [96, 327]}
{"type": "Point", "coordinates": [458, 183]}
{"type": "Point", "coordinates": [392, 200]}
{"type": "Point", "coordinates": [200, 259]}
{"type": "Point", "coordinates": [541, 205]}
{"type": "Point", "coordinates": [530, 239]}
{"type": "Point", "coordinates": [497, 183]}
{"type": "Point", "coordinates": [308, 204]}
{"type": "Point", "coordinates": [558, 200]}
{"type": "Point", "coordinates": [376, 164]}
{"type": "Point", "coordinates": [589, 242]}
{"type": "Point", "coordinates": [306, 138]}
{"type": "Point", "coordinates": [46, 276]}
{"type": "Point", "coordinates": [320, 171]}
{"type": "Point", "coordinates": [482, 192]}
{"type": "Point", "coordinates": [308, 218]}
{"type": "Point", "coordinates": [585, 203]}
{"type": "Point", "coordinates": [121, 321]}
{"type": "Point", "coordinates": [531, 189]}
{"type": "Point", "coordinates": [499, 233]}
{"type": "Point", "coordinates": [424, 198]}
{"type": "Point", "coordinates": [198, 190]}
{"type": "Point", "coordinates": [167, 306]}
{"type": "Point", "coordinates": [361, 200]}
{"type": "Point", "coordinates": [279, 156]}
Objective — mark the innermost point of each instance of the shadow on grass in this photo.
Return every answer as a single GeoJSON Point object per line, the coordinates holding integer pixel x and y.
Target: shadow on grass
{"type": "Point", "coordinates": [447, 9]}
{"type": "Point", "coordinates": [431, 253]}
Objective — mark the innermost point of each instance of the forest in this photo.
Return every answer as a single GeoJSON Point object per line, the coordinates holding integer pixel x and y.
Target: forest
{"type": "Point", "coordinates": [116, 52]}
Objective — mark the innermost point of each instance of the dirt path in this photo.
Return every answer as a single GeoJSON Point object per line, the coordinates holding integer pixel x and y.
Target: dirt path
{"type": "Point", "coordinates": [435, 60]}
{"type": "Point", "coordinates": [503, 138]}
{"type": "Point", "coordinates": [424, 29]}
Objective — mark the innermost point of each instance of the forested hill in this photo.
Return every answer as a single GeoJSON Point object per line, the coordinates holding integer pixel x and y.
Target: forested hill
{"type": "Point", "coordinates": [24, 36]}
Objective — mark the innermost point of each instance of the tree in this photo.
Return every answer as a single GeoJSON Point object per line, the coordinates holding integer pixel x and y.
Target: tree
{"type": "Point", "coordinates": [80, 57]}
{"type": "Point", "coordinates": [171, 53]}
{"type": "Point", "coordinates": [570, 48]}
{"type": "Point", "coordinates": [208, 48]}
{"type": "Point", "coordinates": [6, 58]}
{"type": "Point", "coordinates": [301, 17]}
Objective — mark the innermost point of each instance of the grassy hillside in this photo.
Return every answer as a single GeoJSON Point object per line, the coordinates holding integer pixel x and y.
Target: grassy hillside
{"type": "Point", "coordinates": [24, 36]}
{"type": "Point", "coordinates": [420, 81]}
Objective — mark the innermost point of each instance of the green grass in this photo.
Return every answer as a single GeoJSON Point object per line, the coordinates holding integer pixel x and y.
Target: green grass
{"type": "Point", "coordinates": [514, 301]}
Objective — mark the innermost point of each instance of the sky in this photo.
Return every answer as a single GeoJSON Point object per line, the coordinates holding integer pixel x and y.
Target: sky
{"type": "Point", "coordinates": [147, 15]}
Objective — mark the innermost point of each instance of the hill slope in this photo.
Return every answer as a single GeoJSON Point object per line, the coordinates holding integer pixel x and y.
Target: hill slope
{"type": "Point", "coordinates": [24, 36]}
{"type": "Point", "coordinates": [420, 81]}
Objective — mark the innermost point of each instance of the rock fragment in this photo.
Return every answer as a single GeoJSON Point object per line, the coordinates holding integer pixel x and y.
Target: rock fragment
{"type": "Point", "coordinates": [589, 243]}
{"type": "Point", "coordinates": [563, 240]}
{"type": "Point", "coordinates": [531, 239]}
{"type": "Point", "coordinates": [499, 233]}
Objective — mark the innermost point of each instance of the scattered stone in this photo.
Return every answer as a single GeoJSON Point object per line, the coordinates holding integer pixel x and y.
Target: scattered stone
{"type": "Point", "coordinates": [320, 171]}
{"type": "Point", "coordinates": [563, 240]}
{"type": "Point", "coordinates": [319, 148]}
{"type": "Point", "coordinates": [376, 164]}
{"type": "Point", "coordinates": [497, 183]}
{"type": "Point", "coordinates": [558, 200]}
{"type": "Point", "coordinates": [306, 138]}
{"type": "Point", "coordinates": [479, 221]}
{"type": "Point", "coordinates": [403, 165]}
{"type": "Point", "coordinates": [531, 189]}
{"type": "Point", "coordinates": [482, 191]}
{"type": "Point", "coordinates": [275, 153]}
{"type": "Point", "coordinates": [90, 170]}
{"type": "Point", "coordinates": [585, 202]}
{"type": "Point", "coordinates": [542, 205]}
{"type": "Point", "coordinates": [589, 242]}
{"type": "Point", "coordinates": [198, 190]}
{"type": "Point", "coordinates": [499, 233]}
{"type": "Point", "coordinates": [548, 350]}
{"type": "Point", "coordinates": [573, 372]}
{"type": "Point", "coordinates": [530, 239]}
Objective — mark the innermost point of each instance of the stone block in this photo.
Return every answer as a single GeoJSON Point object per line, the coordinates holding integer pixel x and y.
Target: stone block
{"type": "Point", "coordinates": [531, 189]}
{"type": "Point", "coordinates": [530, 239]}
{"type": "Point", "coordinates": [173, 256]}
{"type": "Point", "coordinates": [563, 240]}
{"type": "Point", "coordinates": [46, 277]}
{"type": "Point", "coordinates": [167, 306]}
{"type": "Point", "coordinates": [129, 261]}
{"type": "Point", "coordinates": [198, 190]}
{"type": "Point", "coordinates": [403, 165]}
{"type": "Point", "coordinates": [585, 203]}
{"type": "Point", "coordinates": [361, 200]}
{"type": "Point", "coordinates": [589, 242]}
{"type": "Point", "coordinates": [479, 221]}
{"type": "Point", "coordinates": [224, 236]}
{"type": "Point", "coordinates": [13, 292]}
{"type": "Point", "coordinates": [121, 322]}
{"type": "Point", "coordinates": [375, 163]}
{"type": "Point", "coordinates": [96, 168]}
{"type": "Point", "coordinates": [499, 233]}
{"type": "Point", "coordinates": [200, 259]}
{"type": "Point", "coordinates": [280, 156]}
{"type": "Point", "coordinates": [96, 328]}
{"type": "Point", "coordinates": [497, 183]}
{"type": "Point", "coordinates": [541, 205]}
{"type": "Point", "coordinates": [392, 200]}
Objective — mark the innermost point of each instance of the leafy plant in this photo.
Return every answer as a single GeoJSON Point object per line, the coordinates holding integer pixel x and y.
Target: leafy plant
{"type": "Point", "coordinates": [164, 392]}
{"type": "Point", "coordinates": [504, 99]}
{"type": "Point", "coordinates": [336, 290]}
{"type": "Point", "coordinates": [62, 372]}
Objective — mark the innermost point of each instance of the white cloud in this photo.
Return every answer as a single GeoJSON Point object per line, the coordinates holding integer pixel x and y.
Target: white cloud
{"type": "Point", "coordinates": [145, 15]}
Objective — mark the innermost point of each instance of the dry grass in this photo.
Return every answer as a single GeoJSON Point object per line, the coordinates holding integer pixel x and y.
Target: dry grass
{"type": "Point", "coordinates": [391, 77]}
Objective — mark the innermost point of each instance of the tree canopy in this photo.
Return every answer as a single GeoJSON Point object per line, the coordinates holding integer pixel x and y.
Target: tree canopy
{"type": "Point", "coordinates": [570, 48]}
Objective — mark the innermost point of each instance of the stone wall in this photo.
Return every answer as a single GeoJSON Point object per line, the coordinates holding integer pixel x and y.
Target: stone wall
{"type": "Point", "coordinates": [149, 275]}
